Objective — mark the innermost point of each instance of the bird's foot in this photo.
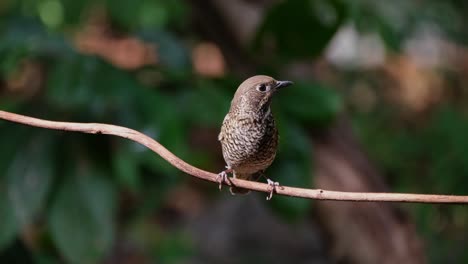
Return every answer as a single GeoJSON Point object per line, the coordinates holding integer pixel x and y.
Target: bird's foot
{"type": "Point", "coordinates": [273, 186]}
{"type": "Point", "coordinates": [223, 176]}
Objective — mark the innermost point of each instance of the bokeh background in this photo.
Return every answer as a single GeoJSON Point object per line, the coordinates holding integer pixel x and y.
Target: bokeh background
{"type": "Point", "coordinates": [379, 104]}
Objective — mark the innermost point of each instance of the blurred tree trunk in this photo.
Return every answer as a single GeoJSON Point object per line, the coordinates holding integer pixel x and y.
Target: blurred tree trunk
{"type": "Point", "coordinates": [360, 232]}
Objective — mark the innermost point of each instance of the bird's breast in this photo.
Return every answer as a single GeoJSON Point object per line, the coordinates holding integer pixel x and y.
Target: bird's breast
{"type": "Point", "coordinates": [249, 143]}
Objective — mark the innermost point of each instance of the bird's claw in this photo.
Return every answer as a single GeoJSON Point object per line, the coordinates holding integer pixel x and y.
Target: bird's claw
{"type": "Point", "coordinates": [273, 186]}
{"type": "Point", "coordinates": [223, 176]}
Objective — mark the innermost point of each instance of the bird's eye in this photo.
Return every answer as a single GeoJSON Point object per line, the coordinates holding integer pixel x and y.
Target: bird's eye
{"type": "Point", "coordinates": [262, 88]}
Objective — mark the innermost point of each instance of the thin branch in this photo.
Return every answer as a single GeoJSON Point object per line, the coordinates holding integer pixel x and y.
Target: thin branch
{"type": "Point", "coordinates": [96, 128]}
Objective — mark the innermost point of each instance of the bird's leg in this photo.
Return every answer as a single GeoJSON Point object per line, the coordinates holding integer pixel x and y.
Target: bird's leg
{"type": "Point", "coordinates": [272, 185]}
{"type": "Point", "coordinates": [223, 176]}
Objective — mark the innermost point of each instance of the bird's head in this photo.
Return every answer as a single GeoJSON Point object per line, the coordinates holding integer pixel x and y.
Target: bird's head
{"type": "Point", "coordinates": [255, 93]}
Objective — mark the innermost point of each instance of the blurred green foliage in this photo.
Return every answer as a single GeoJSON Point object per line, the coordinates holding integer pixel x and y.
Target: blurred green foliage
{"type": "Point", "coordinates": [429, 158]}
{"type": "Point", "coordinates": [71, 181]}
{"type": "Point", "coordinates": [72, 185]}
{"type": "Point", "coordinates": [324, 17]}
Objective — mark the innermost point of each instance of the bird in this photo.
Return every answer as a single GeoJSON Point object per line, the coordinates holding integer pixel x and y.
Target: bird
{"type": "Point", "coordinates": [249, 136]}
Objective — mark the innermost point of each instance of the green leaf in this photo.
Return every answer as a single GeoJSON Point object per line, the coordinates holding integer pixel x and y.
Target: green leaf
{"type": "Point", "coordinates": [310, 103]}
{"type": "Point", "coordinates": [154, 14]}
{"type": "Point", "coordinates": [125, 163]}
{"type": "Point", "coordinates": [370, 18]}
{"type": "Point", "coordinates": [30, 36]}
{"type": "Point", "coordinates": [70, 83]}
{"type": "Point", "coordinates": [8, 225]}
{"type": "Point", "coordinates": [172, 53]}
{"type": "Point", "coordinates": [166, 124]}
{"type": "Point", "coordinates": [81, 217]}
{"type": "Point", "coordinates": [29, 178]}
{"type": "Point", "coordinates": [208, 103]}
{"type": "Point", "coordinates": [292, 167]}
{"type": "Point", "coordinates": [10, 149]}
{"type": "Point", "coordinates": [175, 247]}
{"type": "Point", "coordinates": [303, 35]}
{"type": "Point", "coordinates": [91, 84]}
{"type": "Point", "coordinates": [73, 11]}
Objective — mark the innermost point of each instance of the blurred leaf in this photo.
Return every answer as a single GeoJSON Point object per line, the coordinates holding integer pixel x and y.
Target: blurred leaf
{"type": "Point", "coordinates": [8, 225]}
{"type": "Point", "coordinates": [44, 259]}
{"type": "Point", "coordinates": [173, 55]}
{"type": "Point", "coordinates": [292, 167]}
{"type": "Point", "coordinates": [174, 248]}
{"type": "Point", "coordinates": [304, 35]}
{"type": "Point", "coordinates": [51, 13]}
{"type": "Point", "coordinates": [310, 103]}
{"type": "Point", "coordinates": [29, 177]}
{"type": "Point", "coordinates": [10, 105]}
{"type": "Point", "coordinates": [166, 124]}
{"type": "Point", "coordinates": [371, 17]}
{"type": "Point", "coordinates": [11, 60]}
{"type": "Point", "coordinates": [23, 38]}
{"type": "Point", "coordinates": [81, 217]}
{"type": "Point", "coordinates": [74, 11]}
{"type": "Point", "coordinates": [207, 104]}
{"type": "Point", "coordinates": [70, 82]}
{"type": "Point", "coordinates": [153, 14]}
{"type": "Point", "coordinates": [391, 37]}
{"type": "Point", "coordinates": [446, 134]}
{"type": "Point", "coordinates": [12, 138]}
{"type": "Point", "coordinates": [32, 37]}
{"type": "Point", "coordinates": [80, 81]}
{"type": "Point", "coordinates": [125, 163]}
{"type": "Point", "coordinates": [291, 173]}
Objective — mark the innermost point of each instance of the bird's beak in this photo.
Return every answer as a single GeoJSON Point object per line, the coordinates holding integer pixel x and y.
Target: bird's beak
{"type": "Point", "coordinates": [281, 84]}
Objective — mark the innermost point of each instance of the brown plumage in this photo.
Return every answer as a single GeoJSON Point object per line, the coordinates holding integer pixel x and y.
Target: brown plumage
{"type": "Point", "coordinates": [249, 137]}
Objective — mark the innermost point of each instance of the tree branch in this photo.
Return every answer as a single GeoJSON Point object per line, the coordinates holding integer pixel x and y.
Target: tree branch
{"type": "Point", "coordinates": [96, 128]}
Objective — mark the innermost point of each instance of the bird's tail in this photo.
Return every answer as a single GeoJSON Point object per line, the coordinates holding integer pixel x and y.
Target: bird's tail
{"type": "Point", "coordinates": [250, 177]}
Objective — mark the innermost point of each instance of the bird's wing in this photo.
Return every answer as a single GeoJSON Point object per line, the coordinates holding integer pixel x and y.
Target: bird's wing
{"type": "Point", "coordinates": [221, 133]}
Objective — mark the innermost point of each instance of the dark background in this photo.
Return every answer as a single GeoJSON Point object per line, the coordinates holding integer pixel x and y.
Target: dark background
{"type": "Point", "coordinates": [379, 104]}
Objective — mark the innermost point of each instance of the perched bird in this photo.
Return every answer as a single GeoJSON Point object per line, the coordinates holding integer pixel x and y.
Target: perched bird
{"type": "Point", "coordinates": [249, 137]}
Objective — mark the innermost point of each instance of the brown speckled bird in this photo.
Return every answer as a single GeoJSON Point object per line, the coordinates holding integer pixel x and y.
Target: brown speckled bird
{"type": "Point", "coordinates": [249, 137]}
